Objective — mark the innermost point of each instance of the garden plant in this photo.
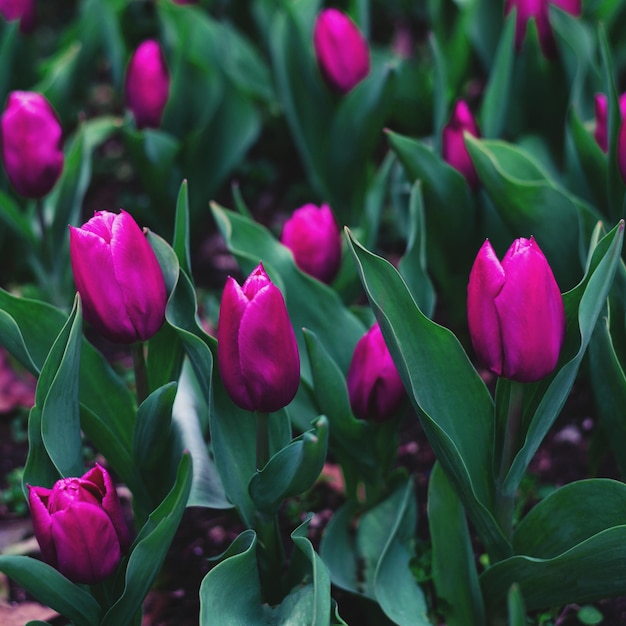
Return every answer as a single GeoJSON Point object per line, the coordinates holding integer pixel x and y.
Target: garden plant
{"type": "Point", "coordinates": [326, 278]}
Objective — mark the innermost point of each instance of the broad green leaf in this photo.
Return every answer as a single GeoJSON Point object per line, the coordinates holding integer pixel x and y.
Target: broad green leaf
{"type": "Point", "coordinates": [592, 570]}
{"type": "Point", "coordinates": [150, 548]}
{"type": "Point", "coordinates": [334, 324]}
{"type": "Point", "coordinates": [530, 203]}
{"type": "Point", "coordinates": [58, 398]}
{"type": "Point", "coordinates": [569, 516]}
{"type": "Point", "coordinates": [52, 589]}
{"type": "Point", "coordinates": [453, 565]}
{"type": "Point", "coordinates": [583, 306]}
{"type": "Point", "coordinates": [292, 470]}
{"type": "Point", "coordinates": [431, 362]}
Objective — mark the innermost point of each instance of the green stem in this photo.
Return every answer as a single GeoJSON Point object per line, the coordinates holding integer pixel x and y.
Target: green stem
{"type": "Point", "coordinates": [141, 372]}
{"type": "Point", "coordinates": [262, 439]}
{"type": "Point", "coordinates": [505, 500]}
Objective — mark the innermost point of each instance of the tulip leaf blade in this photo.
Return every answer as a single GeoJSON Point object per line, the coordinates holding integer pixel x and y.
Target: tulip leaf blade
{"type": "Point", "coordinates": [583, 306]}
{"type": "Point", "coordinates": [52, 589]}
{"type": "Point", "coordinates": [16, 220]}
{"type": "Point", "coordinates": [58, 398]}
{"type": "Point", "coordinates": [431, 361]}
{"type": "Point", "coordinates": [150, 548]}
{"type": "Point", "coordinates": [453, 566]}
{"type": "Point", "coordinates": [292, 470]}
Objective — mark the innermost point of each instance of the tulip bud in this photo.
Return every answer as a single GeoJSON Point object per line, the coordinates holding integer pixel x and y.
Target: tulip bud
{"type": "Point", "coordinates": [341, 50]}
{"type": "Point", "coordinates": [515, 312]}
{"type": "Point", "coordinates": [147, 84]}
{"type": "Point", "coordinates": [313, 237]}
{"type": "Point", "coordinates": [22, 10]}
{"type": "Point", "coordinates": [453, 146]}
{"type": "Point", "coordinates": [79, 526]}
{"type": "Point", "coordinates": [539, 10]}
{"type": "Point", "coordinates": [374, 385]}
{"type": "Point", "coordinates": [32, 143]}
{"type": "Point", "coordinates": [118, 277]}
{"type": "Point", "coordinates": [601, 131]}
{"type": "Point", "coordinates": [257, 351]}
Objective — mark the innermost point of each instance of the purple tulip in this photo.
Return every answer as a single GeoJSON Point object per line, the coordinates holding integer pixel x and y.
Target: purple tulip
{"type": "Point", "coordinates": [313, 237]}
{"type": "Point", "coordinates": [147, 84]}
{"type": "Point", "coordinates": [341, 50]}
{"type": "Point", "coordinates": [22, 10]}
{"type": "Point", "coordinates": [32, 143]}
{"type": "Point", "coordinates": [374, 385]}
{"type": "Point", "coordinates": [257, 351]}
{"type": "Point", "coordinates": [118, 277]}
{"type": "Point", "coordinates": [601, 111]}
{"type": "Point", "coordinates": [80, 526]}
{"type": "Point", "coordinates": [539, 10]}
{"type": "Point", "coordinates": [453, 147]}
{"type": "Point", "coordinates": [515, 312]}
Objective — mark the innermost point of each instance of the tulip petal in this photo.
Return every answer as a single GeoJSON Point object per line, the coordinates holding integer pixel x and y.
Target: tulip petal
{"type": "Point", "coordinates": [485, 283]}
{"type": "Point", "coordinates": [87, 546]}
{"type": "Point", "coordinates": [139, 276]}
{"type": "Point", "coordinates": [531, 313]}
{"type": "Point", "coordinates": [268, 352]}
{"type": "Point", "coordinates": [42, 522]}
{"type": "Point", "coordinates": [573, 7]}
{"type": "Point", "coordinates": [234, 303]}
{"type": "Point", "coordinates": [103, 299]}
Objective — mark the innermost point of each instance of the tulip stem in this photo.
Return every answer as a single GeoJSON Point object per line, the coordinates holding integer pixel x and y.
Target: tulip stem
{"type": "Point", "coordinates": [262, 439]}
{"type": "Point", "coordinates": [505, 500]}
{"type": "Point", "coordinates": [141, 372]}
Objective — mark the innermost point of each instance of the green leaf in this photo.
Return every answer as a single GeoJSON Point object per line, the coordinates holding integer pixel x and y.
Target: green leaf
{"type": "Point", "coordinates": [431, 362]}
{"type": "Point", "coordinates": [12, 215]}
{"type": "Point", "coordinates": [52, 589]}
{"type": "Point", "coordinates": [569, 516]}
{"type": "Point", "coordinates": [530, 203]}
{"type": "Point", "coordinates": [453, 565]}
{"type": "Point", "coordinates": [150, 548]}
{"type": "Point", "coordinates": [292, 470]}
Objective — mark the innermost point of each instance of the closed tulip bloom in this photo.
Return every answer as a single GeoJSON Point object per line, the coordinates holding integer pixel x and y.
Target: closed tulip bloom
{"type": "Point", "coordinates": [32, 143]}
{"type": "Point", "coordinates": [257, 351]}
{"type": "Point", "coordinates": [374, 385]}
{"type": "Point", "coordinates": [79, 526]}
{"type": "Point", "coordinates": [22, 10]}
{"type": "Point", "coordinates": [539, 10]}
{"type": "Point", "coordinates": [147, 84]}
{"type": "Point", "coordinates": [453, 147]}
{"type": "Point", "coordinates": [313, 237]}
{"type": "Point", "coordinates": [515, 312]}
{"type": "Point", "coordinates": [601, 110]}
{"type": "Point", "coordinates": [118, 277]}
{"type": "Point", "coordinates": [341, 50]}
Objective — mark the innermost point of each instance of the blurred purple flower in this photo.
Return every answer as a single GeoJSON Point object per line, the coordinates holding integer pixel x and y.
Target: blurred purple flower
{"type": "Point", "coordinates": [453, 147]}
{"type": "Point", "coordinates": [341, 50]}
{"type": "Point", "coordinates": [32, 143]}
{"type": "Point", "coordinates": [80, 526]}
{"type": "Point", "coordinates": [22, 10]}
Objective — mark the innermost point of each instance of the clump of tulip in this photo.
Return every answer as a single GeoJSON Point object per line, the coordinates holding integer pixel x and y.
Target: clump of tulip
{"type": "Point", "coordinates": [32, 143]}
{"type": "Point", "coordinates": [118, 277]}
{"type": "Point", "coordinates": [79, 526]}
{"type": "Point", "coordinates": [539, 11]}
{"type": "Point", "coordinates": [313, 237]}
{"type": "Point", "coordinates": [515, 312]}
{"type": "Point", "coordinates": [147, 84]}
{"type": "Point", "coordinates": [341, 50]}
{"type": "Point", "coordinates": [374, 385]}
{"type": "Point", "coordinates": [454, 150]}
{"type": "Point", "coordinates": [257, 351]}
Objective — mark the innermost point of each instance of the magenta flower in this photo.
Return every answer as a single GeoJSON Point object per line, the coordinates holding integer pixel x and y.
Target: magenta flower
{"type": "Point", "coordinates": [257, 351]}
{"type": "Point", "coordinates": [32, 143]}
{"type": "Point", "coordinates": [515, 312]}
{"type": "Point", "coordinates": [22, 10]}
{"type": "Point", "coordinates": [601, 111]}
{"type": "Point", "coordinates": [79, 526]}
{"type": "Point", "coordinates": [147, 84]}
{"type": "Point", "coordinates": [539, 10]}
{"type": "Point", "coordinates": [313, 237]}
{"type": "Point", "coordinates": [341, 50]}
{"type": "Point", "coordinates": [453, 147]}
{"type": "Point", "coordinates": [374, 385]}
{"type": "Point", "coordinates": [118, 277]}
